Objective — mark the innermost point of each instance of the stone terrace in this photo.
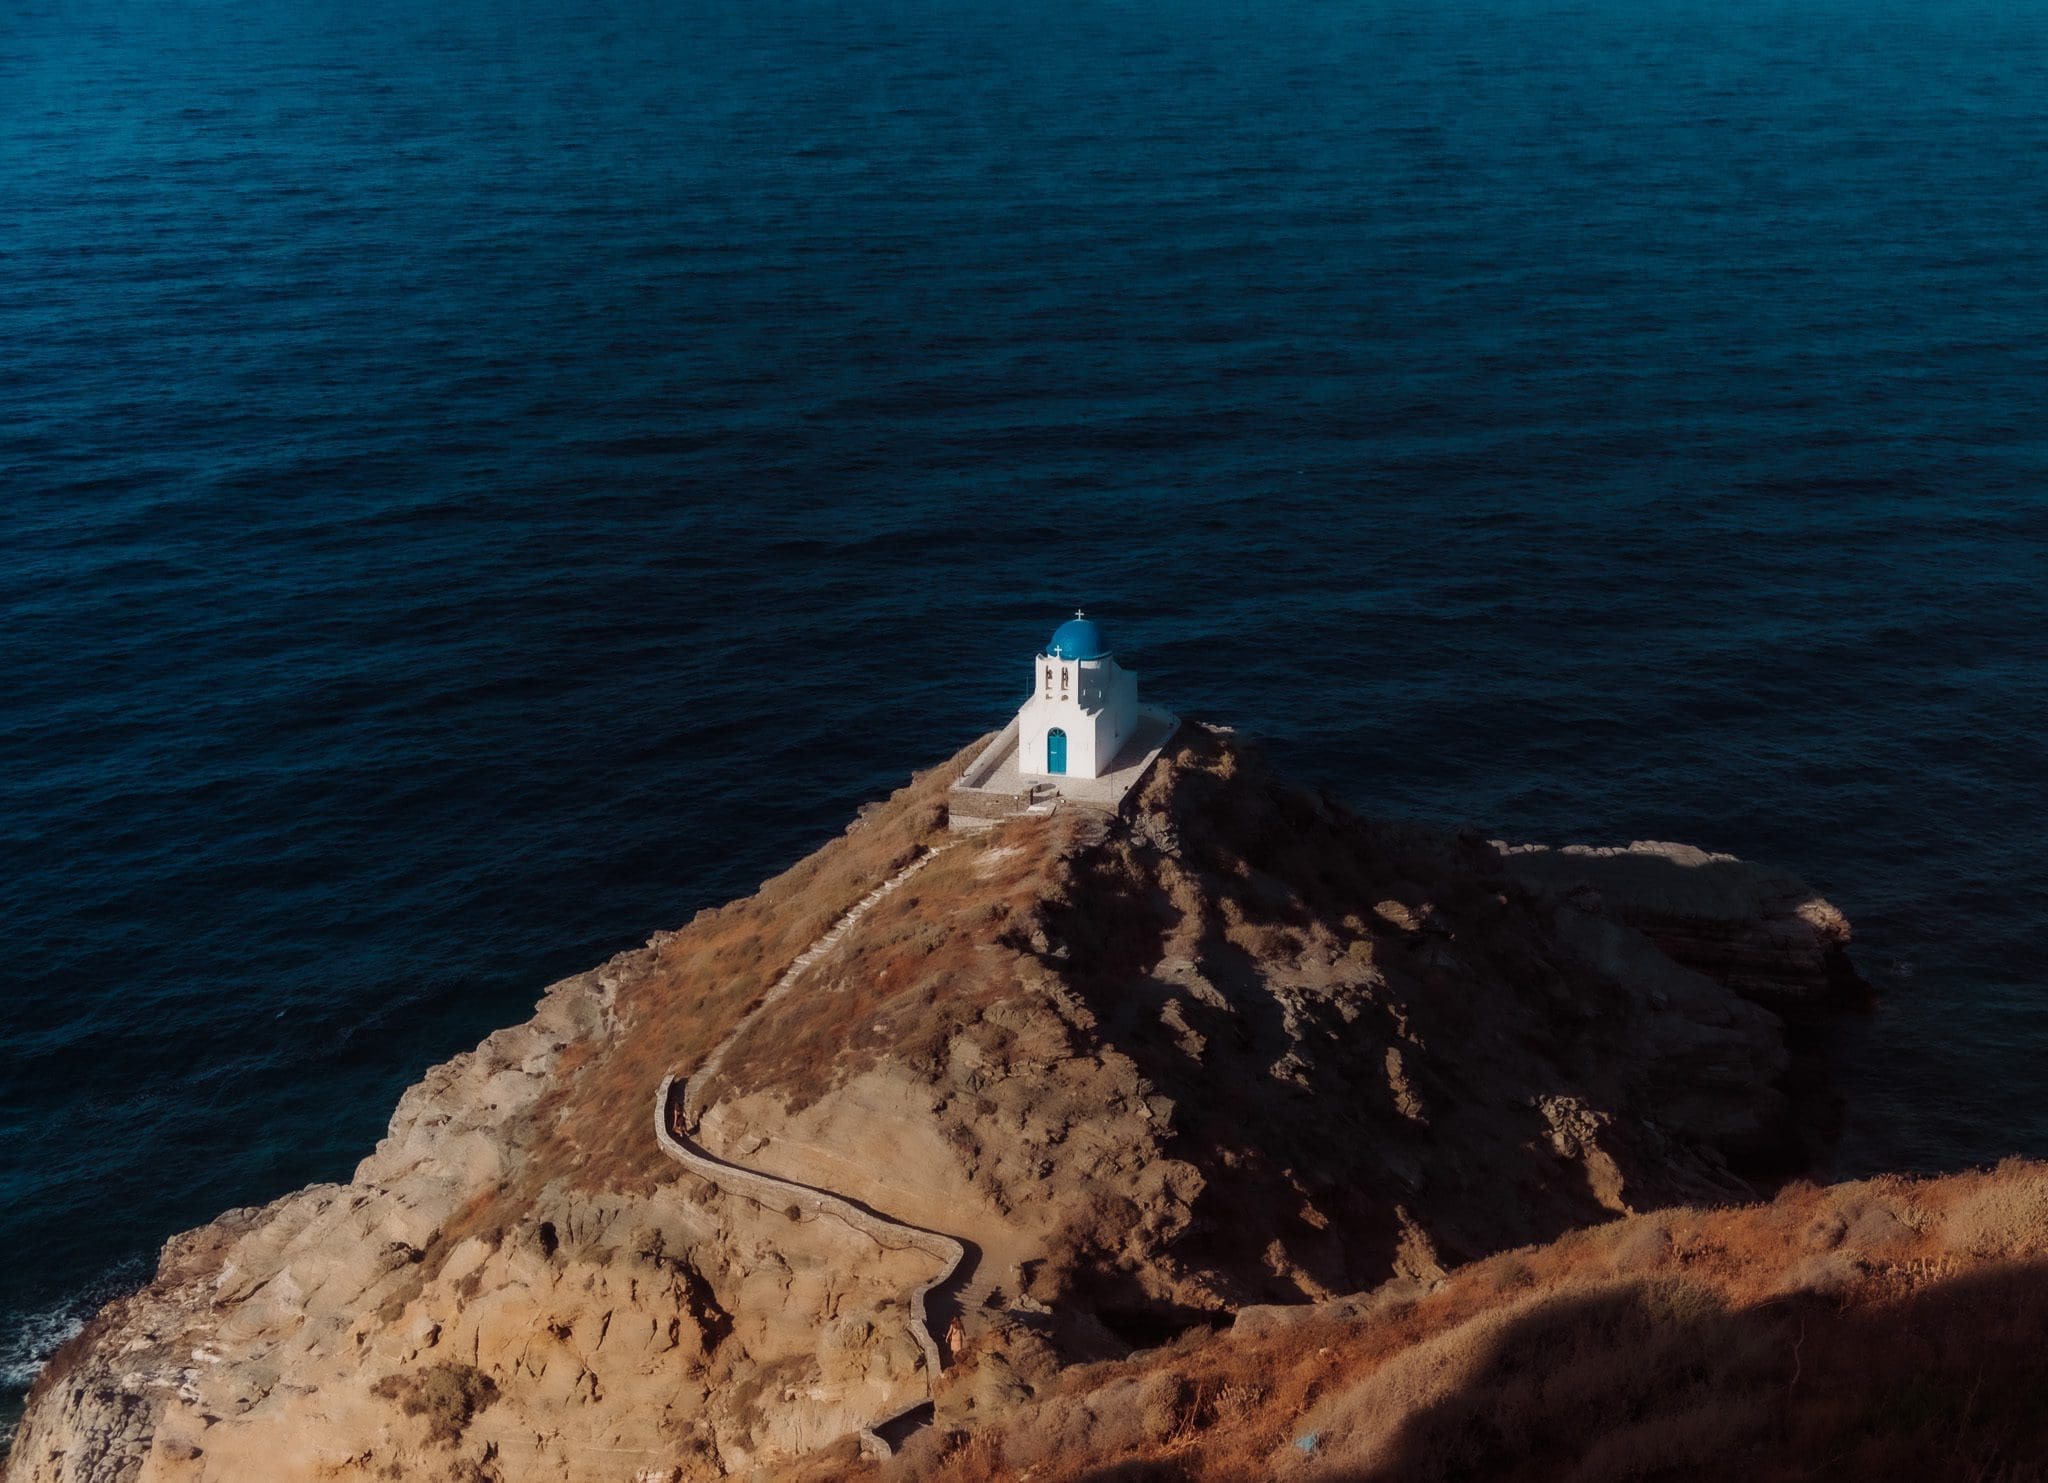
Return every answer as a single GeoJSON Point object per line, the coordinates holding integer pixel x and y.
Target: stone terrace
{"type": "Point", "coordinates": [992, 788]}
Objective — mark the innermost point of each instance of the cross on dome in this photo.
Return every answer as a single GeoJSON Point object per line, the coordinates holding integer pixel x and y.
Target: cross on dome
{"type": "Point", "coordinates": [1078, 638]}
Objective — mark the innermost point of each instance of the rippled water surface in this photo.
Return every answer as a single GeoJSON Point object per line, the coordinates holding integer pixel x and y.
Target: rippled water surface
{"type": "Point", "coordinates": [480, 482]}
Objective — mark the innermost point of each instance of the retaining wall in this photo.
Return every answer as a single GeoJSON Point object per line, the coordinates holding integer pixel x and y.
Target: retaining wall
{"type": "Point", "coordinates": [990, 756]}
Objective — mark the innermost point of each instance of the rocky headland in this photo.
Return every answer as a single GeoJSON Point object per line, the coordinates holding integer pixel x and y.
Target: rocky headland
{"type": "Point", "coordinates": [1234, 1135]}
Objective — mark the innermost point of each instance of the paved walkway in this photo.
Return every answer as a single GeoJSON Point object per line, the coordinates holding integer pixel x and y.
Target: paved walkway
{"type": "Point", "coordinates": [678, 1111]}
{"type": "Point", "coordinates": [772, 1192]}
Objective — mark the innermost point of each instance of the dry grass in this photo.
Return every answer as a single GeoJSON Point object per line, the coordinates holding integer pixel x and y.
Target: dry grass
{"type": "Point", "coordinates": [918, 968]}
{"type": "Point", "coordinates": [1677, 1345]}
{"type": "Point", "coordinates": [1589, 1380]}
{"type": "Point", "coordinates": [2002, 1218]}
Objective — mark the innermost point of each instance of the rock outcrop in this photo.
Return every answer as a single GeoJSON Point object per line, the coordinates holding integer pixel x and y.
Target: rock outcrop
{"type": "Point", "coordinates": [1236, 1049]}
{"type": "Point", "coordinates": [1760, 931]}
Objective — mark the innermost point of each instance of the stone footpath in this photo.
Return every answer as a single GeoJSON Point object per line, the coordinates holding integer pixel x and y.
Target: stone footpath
{"type": "Point", "coordinates": [693, 1108]}
{"type": "Point", "coordinates": [678, 1109]}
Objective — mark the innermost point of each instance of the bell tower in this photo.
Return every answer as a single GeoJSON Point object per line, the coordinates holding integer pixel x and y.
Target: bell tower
{"type": "Point", "coordinates": [1083, 705]}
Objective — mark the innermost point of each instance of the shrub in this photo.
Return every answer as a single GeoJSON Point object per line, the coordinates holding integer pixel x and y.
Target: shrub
{"type": "Point", "coordinates": [1164, 1402]}
{"type": "Point", "coordinates": [448, 1395]}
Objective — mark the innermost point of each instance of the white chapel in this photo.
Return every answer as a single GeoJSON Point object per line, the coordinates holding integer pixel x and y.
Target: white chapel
{"type": "Point", "coordinates": [1083, 706]}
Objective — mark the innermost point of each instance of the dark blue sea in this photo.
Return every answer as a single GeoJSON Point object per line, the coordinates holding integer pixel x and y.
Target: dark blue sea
{"type": "Point", "coordinates": [479, 482]}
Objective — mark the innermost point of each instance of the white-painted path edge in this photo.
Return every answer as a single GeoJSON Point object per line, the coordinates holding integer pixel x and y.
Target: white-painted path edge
{"type": "Point", "coordinates": [677, 1109]}
{"type": "Point", "coordinates": [693, 1108]}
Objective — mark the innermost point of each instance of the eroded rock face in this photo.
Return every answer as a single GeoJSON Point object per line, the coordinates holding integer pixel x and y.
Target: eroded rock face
{"type": "Point", "coordinates": [1756, 929]}
{"type": "Point", "coordinates": [1237, 1048]}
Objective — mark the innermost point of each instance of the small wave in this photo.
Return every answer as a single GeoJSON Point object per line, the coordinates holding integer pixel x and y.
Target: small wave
{"type": "Point", "coordinates": [29, 1339]}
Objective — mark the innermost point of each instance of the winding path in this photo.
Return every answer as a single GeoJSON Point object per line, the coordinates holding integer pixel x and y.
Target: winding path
{"type": "Point", "coordinates": [678, 1109]}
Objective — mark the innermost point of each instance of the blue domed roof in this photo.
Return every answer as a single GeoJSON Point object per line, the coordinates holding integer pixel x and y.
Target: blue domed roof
{"type": "Point", "coordinates": [1078, 638]}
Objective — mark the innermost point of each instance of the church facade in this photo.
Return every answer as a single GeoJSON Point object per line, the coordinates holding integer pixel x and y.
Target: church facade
{"type": "Point", "coordinates": [1083, 705]}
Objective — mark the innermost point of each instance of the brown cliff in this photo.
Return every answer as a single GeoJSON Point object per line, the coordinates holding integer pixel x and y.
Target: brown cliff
{"type": "Point", "coordinates": [1237, 1048]}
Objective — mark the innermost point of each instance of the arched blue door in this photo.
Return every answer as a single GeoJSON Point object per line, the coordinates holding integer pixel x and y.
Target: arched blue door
{"type": "Point", "coordinates": [1056, 751]}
